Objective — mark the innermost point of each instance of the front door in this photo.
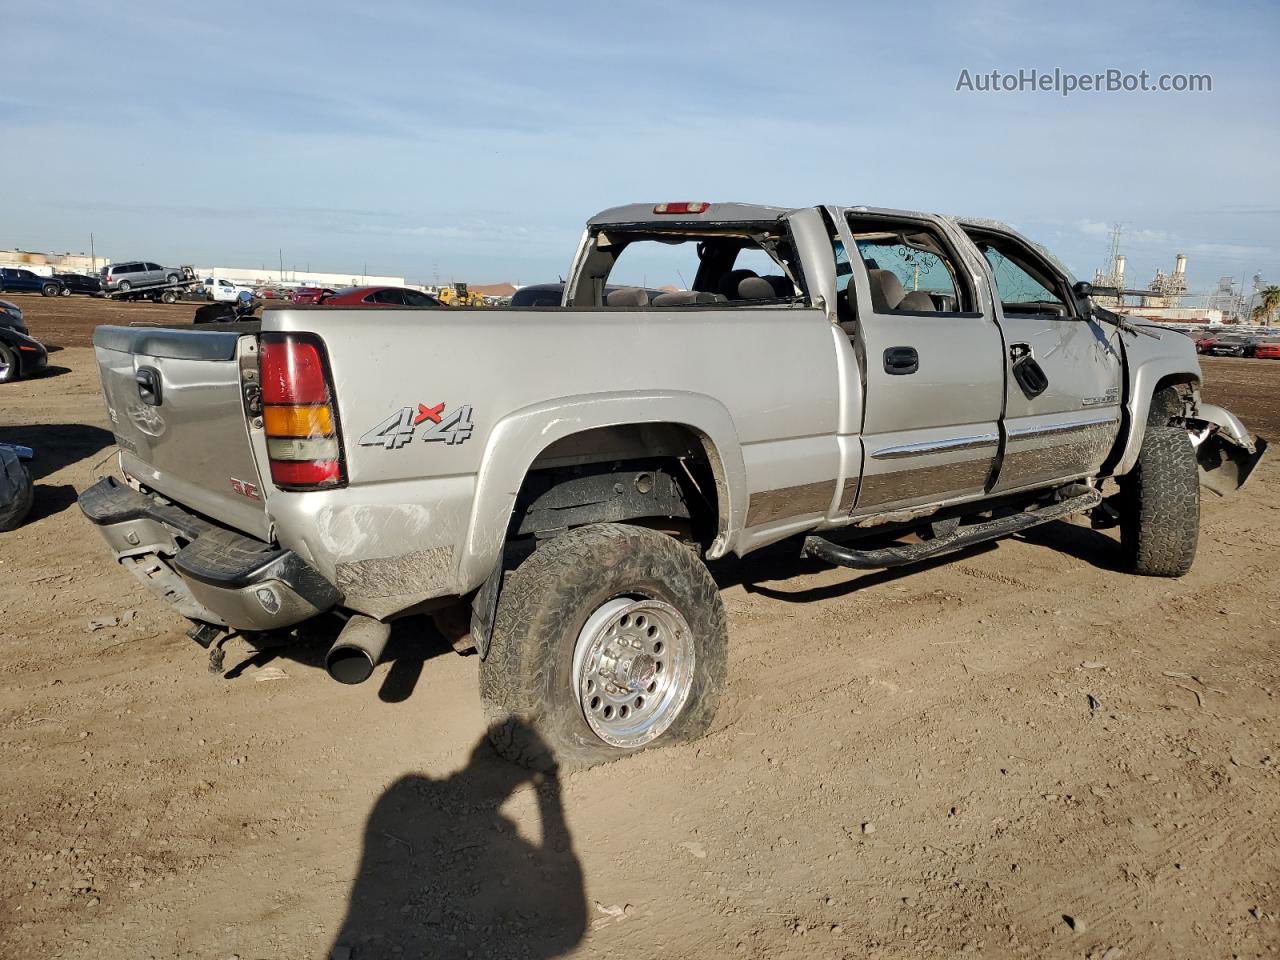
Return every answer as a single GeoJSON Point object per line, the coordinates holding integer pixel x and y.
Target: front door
{"type": "Point", "coordinates": [1063, 402]}
{"type": "Point", "coordinates": [932, 364]}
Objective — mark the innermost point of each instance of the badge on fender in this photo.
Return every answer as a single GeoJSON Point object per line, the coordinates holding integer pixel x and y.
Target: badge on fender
{"type": "Point", "coordinates": [401, 427]}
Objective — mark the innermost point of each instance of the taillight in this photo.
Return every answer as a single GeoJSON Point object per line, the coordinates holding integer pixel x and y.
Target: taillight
{"type": "Point", "coordinates": [681, 207]}
{"type": "Point", "coordinates": [298, 413]}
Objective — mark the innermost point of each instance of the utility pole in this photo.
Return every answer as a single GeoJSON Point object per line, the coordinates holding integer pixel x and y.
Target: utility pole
{"type": "Point", "coordinates": [93, 257]}
{"type": "Point", "coordinates": [280, 250]}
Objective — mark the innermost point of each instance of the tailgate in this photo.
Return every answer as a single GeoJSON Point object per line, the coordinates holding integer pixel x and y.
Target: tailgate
{"type": "Point", "coordinates": [176, 407]}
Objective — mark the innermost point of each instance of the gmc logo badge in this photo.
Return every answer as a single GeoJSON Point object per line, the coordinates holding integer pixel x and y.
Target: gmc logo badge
{"type": "Point", "coordinates": [249, 490]}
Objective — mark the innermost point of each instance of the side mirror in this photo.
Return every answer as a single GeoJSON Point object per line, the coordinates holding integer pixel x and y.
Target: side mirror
{"type": "Point", "coordinates": [1082, 288]}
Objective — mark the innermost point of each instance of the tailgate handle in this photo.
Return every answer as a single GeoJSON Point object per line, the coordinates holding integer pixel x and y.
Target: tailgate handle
{"type": "Point", "coordinates": [148, 380]}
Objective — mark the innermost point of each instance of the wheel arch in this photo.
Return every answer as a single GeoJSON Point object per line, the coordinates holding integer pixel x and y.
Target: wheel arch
{"type": "Point", "coordinates": [1145, 381]}
{"type": "Point", "coordinates": [597, 428]}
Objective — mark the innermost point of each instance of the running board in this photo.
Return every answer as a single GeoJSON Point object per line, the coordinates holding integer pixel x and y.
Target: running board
{"type": "Point", "coordinates": [961, 538]}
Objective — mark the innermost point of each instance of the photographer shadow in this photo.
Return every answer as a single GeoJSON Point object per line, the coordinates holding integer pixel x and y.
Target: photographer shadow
{"type": "Point", "coordinates": [444, 873]}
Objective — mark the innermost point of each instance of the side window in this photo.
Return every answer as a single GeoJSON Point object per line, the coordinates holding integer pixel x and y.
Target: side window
{"type": "Point", "coordinates": [413, 298]}
{"type": "Point", "coordinates": [1024, 287]}
{"type": "Point", "coordinates": [152, 266]}
{"type": "Point", "coordinates": [910, 270]}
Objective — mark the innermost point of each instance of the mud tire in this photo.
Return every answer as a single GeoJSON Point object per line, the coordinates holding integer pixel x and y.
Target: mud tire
{"type": "Point", "coordinates": [1160, 505]}
{"type": "Point", "coordinates": [526, 681]}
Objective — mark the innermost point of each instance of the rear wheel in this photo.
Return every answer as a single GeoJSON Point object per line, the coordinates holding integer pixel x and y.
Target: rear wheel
{"type": "Point", "coordinates": [9, 369]}
{"type": "Point", "coordinates": [65, 291]}
{"type": "Point", "coordinates": [169, 296]}
{"type": "Point", "coordinates": [125, 286]}
{"type": "Point", "coordinates": [609, 639]}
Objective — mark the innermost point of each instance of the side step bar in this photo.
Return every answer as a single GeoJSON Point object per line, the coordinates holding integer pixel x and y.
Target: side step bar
{"type": "Point", "coordinates": [962, 537]}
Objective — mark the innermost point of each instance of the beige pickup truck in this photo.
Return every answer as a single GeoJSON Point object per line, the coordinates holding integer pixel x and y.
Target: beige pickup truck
{"type": "Point", "coordinates": [874, 386]}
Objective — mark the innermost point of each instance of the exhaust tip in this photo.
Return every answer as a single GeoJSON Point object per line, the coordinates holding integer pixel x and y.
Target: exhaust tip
{"type": "Point", "coordinates": [349, 665]}
{"type": "Point", "coordinates": [357, 650]}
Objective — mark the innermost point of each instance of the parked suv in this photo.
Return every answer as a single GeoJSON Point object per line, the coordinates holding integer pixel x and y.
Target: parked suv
{"type": "Point", "coordinates": [24, 281]}
{"type": "Point", "coordinates": [137, 273]}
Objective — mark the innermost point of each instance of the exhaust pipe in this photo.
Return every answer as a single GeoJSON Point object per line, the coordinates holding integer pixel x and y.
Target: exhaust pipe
{"type": "Point", "coordinates": [357, 650]}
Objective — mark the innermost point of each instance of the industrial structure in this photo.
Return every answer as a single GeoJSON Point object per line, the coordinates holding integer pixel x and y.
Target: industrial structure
{"type": "Point", "coordinates": [47, 264]}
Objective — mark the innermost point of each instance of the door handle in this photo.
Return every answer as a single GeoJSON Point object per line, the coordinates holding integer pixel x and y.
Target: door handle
{"type": "Point", "coordinates": [1028, 374]}
{"type": "Point", "coordinates": [148, 381]}
{"type": "Point", "coordinates": [899, 361]}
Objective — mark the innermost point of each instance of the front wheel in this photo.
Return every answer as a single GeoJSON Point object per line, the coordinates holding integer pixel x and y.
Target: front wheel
{"type": "Point", "coordinates": [1160, 505]}
{"type": "Point", "coordinates": [65, 291]}
{"type": "Point", "coordinates": [9, 369]}
{"type": "Point", "coordinates": [49, 290]}
{"type": "Point", "coordinates": [609, 639]}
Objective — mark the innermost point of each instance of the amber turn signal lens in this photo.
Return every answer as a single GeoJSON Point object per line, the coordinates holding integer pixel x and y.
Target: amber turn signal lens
{"type": "Point", "coordinates": [297, 421]}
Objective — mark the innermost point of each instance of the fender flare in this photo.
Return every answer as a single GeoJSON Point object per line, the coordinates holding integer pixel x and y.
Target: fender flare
{"type": "Point", "coordinates": [518, 439]}
{"type": "Point", "coordinates": [1143, 381]}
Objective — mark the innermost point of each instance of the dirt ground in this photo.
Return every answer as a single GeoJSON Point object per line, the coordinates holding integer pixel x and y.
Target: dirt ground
{"type": "Point", "coordinates": [1016, 752]}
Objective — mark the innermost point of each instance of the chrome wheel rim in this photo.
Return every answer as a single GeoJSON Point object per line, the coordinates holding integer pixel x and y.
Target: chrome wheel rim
{"type": "Point", "coordinates": [633, 670]}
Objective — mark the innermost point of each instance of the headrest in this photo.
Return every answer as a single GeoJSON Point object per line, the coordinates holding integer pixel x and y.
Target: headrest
{"type": "Point", "coordinates": [729, 282]}
{"type": "Point", "coordinates": [756, 288]}
{"type": "Point", "coordinates": [916, 300]}
{"type": "Point", "coordinates": [886, 290]}
{"type": "Point", "coordinates": [627, 297]}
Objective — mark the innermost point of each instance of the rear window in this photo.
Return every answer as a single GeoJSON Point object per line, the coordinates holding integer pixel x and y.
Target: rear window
{"type": "Point", "coordinates": [712, 263]}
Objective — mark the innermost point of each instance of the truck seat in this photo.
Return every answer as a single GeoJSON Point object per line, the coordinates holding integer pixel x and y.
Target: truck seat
{"type": "Point", "coordinates": [918, 301]}
{"type": "Point", "coordinates": [886, 290]}
{"type": "Point", "coordinates": [627, 297]}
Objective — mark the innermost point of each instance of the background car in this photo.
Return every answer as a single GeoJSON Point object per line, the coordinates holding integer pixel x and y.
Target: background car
{"type": "Point", "coordinates": [222, 291]}
{"type": "Point", "coordinates": [1268, 349]}
{"type": "Point", "coordinates": [311, 295]}
{"type": "Point", "coordinates": [24, 281]}
{"type": "Point", "coordinates": [132, 274]}
{"type": "Point", "coordinates": [78, 283]}
{"type": "Point", "coordinates": [1236, 345]}
{"type": "Point", "coordinates": [1205, 341]}
{"type": "Point", "coordinates": [11, 316]}
{"type": "Point", "coordinates": [379, 297]}
{"type": "Point", "coordinates": [21, 355]}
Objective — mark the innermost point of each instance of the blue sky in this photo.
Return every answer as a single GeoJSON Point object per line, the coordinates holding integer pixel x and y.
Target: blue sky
{"type": "Point", "coordinates": [474, 139]}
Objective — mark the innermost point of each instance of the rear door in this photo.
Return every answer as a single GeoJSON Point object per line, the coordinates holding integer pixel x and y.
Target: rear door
{"type": "Point", "coordinates": [1063, 371]}
{"type": "Point", "coordinates": [176, 407]}
{"type": "Point", "coordinates": [931, 355]}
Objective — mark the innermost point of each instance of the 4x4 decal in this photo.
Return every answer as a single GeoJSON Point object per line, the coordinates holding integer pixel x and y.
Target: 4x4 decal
{"type": "Point", "coordinates": [401, 427]}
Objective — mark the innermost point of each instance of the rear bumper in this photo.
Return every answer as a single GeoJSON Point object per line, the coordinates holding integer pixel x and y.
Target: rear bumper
{"type": "Point", "coordinates": [206, 572]}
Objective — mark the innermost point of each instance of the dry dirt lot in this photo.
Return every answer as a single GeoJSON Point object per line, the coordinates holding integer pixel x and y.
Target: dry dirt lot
{"type": "Point", "coordinates": [1018, 752]}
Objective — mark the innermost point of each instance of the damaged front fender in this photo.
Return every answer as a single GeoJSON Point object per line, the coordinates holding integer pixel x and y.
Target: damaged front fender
{"type": "Point", "coordinates": [1225, 451]}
